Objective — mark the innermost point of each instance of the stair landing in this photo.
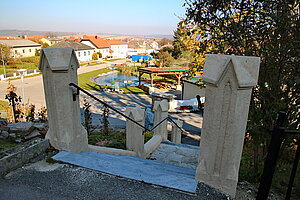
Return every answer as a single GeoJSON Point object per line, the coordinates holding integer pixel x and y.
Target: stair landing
{"type": "Point", "coordinates": [149, 171]}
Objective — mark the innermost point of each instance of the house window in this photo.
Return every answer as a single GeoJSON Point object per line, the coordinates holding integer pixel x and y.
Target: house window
{"type": "Point", "coordinates": [89, 53]}
{"type": "Point", "coordinates": [23, 50]}
{"type": "Point", "coordinates": [84, 53]}
{"type": "Point", "coordinates": [78, 54]}
{"type": "Point", "coordinates": [30, 50]}
{"type": "Point", "coordinates": [16, 51]}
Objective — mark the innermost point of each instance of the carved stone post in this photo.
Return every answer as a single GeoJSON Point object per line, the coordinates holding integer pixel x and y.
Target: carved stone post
{"type": "Point", "coordinates": [176, 132]}
{"type": "Point", "coordinates": [160, 109]}
{"type": "Point", "coordinates": [229, 81]}
{"type": "Point", "coordinates": [59, 68]}
{"type": "Point", "coordinates": [134, 132]}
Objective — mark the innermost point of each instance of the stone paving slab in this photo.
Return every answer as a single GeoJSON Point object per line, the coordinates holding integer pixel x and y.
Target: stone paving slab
{"type": "Point", "coordinates": [149, 171]}
{"type": "Point", "coordinates": [177, 154]}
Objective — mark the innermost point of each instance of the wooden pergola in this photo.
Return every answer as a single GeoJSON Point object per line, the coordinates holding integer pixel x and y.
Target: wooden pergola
{"type": "Point", "coordinates": [154, 71]}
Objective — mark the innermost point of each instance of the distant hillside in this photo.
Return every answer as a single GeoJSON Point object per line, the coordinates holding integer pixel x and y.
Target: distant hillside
{"type": "Point", "coordinates": [16, 33]}
{"type": "Point", "coordinates": [33, 33]}
{"type": "Point", "coordinates": [157, 36]}
{"type": "Point", "coordinates": [160, 36]}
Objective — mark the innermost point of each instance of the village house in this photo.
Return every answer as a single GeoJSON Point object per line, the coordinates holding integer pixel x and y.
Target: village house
{"type": "Point", "coordinates": [83, 52]}
{"type": "Point", "coordinates": [108, 48]}
{"type": "Point", "coordinates": [98, 44]}
{"type": "Point", "coordinates": [118, 48]}
{"type": "Point", "coordinates": [50, 41]}
{"type": "Point", "coordinates": [21, 48]}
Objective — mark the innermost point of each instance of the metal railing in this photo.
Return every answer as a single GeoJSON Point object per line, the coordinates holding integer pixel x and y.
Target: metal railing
{"type": "Point", "coordinates": [279, 132]}
{"type": "Point", "coordinates": [117, 111]}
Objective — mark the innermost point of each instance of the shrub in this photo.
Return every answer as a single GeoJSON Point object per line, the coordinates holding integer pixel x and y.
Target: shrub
{"type": "Point", "coordinates": [95, 56]}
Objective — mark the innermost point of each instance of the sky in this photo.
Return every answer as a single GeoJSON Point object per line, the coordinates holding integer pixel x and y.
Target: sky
{"type": "Point", "coordinates": [138, 17]}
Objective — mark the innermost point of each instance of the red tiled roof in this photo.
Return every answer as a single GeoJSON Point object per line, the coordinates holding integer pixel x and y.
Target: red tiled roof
{"type": "Point", "coordinates": [73, 39]}
{"type": "Point", "coordinates": [164, 69]}
{"type": "Point", "coordinates": [10, 38]}
{"type": "Point", "coordinates": [36, 37]}
{"type": "Point", "coordinates": [115, 42]}
{"type": "Point", "coordinates": [97, 41]}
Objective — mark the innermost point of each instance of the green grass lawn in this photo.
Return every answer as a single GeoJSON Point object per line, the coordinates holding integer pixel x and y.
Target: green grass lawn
{"type": "Point", "coordinates": [2, 111]}
{"type": "Point", "coordinates": [85, 82]}
{"type": "Point", "coordinates": [91, 63]}
{"type": "Point", "coordinates": [157, 78]}
{"type": "Point", "coordinates": [7, 70]}
{"type": "Point", "coordinates": [7, 143]}
{"type": "Point", "coordinates": [22, 63]}
{"type": "Point", "coordinates": [114, 59]}
{"type": "Point", "coordinates": [117, 139]}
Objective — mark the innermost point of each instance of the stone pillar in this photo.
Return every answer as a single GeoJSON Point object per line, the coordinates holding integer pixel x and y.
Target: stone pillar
{"type": "Point", "coordinates": [134, 132]}
{"type": "Point", "coordinates": [229, 81]}
{"type": "Point", "coordinates": [176, 132]}
{"type": "Point", "coordinates": [160, 109]}
{"type": "Point", "coordinates": [59, 68]}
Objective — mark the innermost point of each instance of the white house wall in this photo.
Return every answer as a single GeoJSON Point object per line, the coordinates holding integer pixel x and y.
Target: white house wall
{"type": "Point", "coordinates": [119, 51]}
{"type": "Point", "coordinates": [191, 90]}
{"type": "Point", "coordinates": [20, 52]}
{"type": "Point", "coordinates": [104, 52]}
{"type": "Point", "coordinates": [84, 55]}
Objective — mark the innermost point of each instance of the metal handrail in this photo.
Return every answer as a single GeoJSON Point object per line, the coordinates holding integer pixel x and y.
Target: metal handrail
{"type": "Point", "coordinates": [171, 120]}
{"type": "Point", "coordinates": [104, 103]}
{"type": "Point", "coordinates": [107, 105]}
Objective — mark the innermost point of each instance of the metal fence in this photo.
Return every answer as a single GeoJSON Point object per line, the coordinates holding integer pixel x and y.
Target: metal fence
{"type": "Point", "coordinates": [278, 134]}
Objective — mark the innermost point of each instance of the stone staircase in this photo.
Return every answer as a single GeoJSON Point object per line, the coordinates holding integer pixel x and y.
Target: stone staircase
{"type": "Point", "coordinates": [177, 154]}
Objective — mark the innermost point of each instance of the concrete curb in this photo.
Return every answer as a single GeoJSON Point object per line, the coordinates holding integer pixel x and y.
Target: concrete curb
{"type": "Point", "coordinates": [17, 157]}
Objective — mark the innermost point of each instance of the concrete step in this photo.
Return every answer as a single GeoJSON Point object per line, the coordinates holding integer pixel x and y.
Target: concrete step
{"type": "Point", "coordinates": [149, 171]}
{"type": "Point", "coordinates": [177, 154]}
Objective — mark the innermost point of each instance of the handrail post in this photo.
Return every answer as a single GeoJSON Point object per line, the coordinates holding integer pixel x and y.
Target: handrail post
{"type": "Point", "coordinates": [160, 109]}
{"type": "Point", "coordinates": [59, 67]}
{"type": "Point", "coordinates": [176, 132]}
{"type": "Point", "coordinates": [271, 159]}
{"type": "Point", "coordinates": [229, 81]}
{"type": "Point", "coordinates": [134, 133]}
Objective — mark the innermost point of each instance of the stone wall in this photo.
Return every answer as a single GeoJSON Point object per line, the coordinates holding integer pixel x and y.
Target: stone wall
{"type": "Point", "coordinates": [16, 157]}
